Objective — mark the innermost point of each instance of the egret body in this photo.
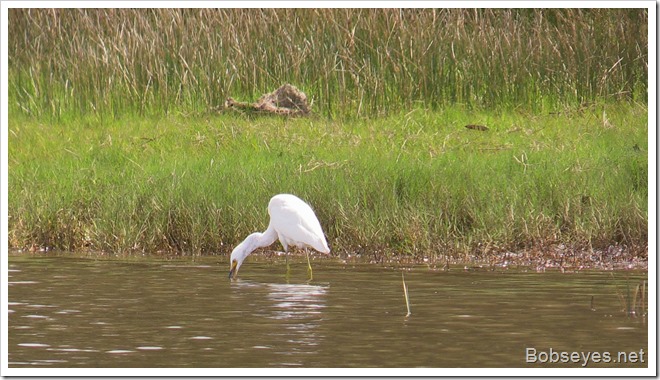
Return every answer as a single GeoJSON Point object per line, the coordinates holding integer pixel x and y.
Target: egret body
{"type": "Point", "coordinates": [292, 221]}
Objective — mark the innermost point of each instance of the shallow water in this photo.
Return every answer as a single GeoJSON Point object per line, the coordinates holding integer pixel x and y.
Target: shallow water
{"type": "Point", "coordinates": [72, 312]}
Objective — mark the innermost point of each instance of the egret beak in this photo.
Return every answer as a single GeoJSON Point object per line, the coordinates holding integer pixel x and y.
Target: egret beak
{"type": "Point", "coordinates": [233, 271]}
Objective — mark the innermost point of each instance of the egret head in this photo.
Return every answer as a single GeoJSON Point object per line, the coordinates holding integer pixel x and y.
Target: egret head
{"type": "Point", "coordinates": [239, 254]}
{"type": "Point", "coordinates": [242, 250]}
{"type": "Point", "coordinates": [235, 262]}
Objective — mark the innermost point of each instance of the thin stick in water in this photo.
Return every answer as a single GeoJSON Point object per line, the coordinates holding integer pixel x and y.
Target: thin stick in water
{"type": "Point", "coordinates": [644, 298]}
{"type": "Point", "coordinates": [405, 294]}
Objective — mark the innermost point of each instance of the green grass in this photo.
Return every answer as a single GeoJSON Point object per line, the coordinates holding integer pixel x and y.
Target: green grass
{"type": "Point", "coordinates": [417, 183]}
{"type": "Point", "coordinates": [350, 62]}
{"type": "Point", "coordinates": [116, 142]}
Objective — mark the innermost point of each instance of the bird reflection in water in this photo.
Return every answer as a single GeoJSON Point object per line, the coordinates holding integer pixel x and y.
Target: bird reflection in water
{"type": "Point", "coordinates": [294, 311]}
{"type": "Point", "coordinates": [301, 307]}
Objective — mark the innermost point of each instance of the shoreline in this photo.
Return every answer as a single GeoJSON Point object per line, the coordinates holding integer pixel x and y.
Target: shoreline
{"type": "Point", "coordinates": [553, 259]}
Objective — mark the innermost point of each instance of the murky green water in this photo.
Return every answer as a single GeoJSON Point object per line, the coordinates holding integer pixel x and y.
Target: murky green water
{"type": "Point", "coordinates": [66, 312]}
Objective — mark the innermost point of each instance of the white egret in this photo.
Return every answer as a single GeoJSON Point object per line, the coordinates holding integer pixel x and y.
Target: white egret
{"type": "Point", "coordinates": [293, 222]}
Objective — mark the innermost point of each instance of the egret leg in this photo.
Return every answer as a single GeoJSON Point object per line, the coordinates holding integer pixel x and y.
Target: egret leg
{"type": "Point", "coordinates": [286, 259]}
{"type": "Point", "coordinates": [309, 265]}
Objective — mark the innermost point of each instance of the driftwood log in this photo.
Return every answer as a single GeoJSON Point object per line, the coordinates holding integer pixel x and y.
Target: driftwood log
{"type": "Point", "coordinates": [477, 127]}
{"type": "Point", "coordinates": [286, 100]}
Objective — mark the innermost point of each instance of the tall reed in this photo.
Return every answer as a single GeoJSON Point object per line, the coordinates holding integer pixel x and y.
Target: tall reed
{"type": "Point", "coordinates": [365, 62]}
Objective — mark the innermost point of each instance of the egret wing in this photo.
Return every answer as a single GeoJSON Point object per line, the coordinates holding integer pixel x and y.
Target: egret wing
{"type": "Point", "coordinates": [295, 220]}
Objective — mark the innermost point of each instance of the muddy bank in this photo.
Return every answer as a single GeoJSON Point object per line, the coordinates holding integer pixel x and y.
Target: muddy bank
{"type": "Point", "coordinates": [552, 258]}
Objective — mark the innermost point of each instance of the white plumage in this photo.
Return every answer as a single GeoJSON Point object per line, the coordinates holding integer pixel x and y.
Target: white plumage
{"type": "Point", "coordinates": [292, 221]}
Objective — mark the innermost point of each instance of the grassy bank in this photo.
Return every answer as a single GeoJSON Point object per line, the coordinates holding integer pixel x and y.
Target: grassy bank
{"type": "Point", "coordinates": [116, 144]}
{"type": "Point", "coordinates": [416, 183]}
{"type": "Point", "coordinates": [112, 62]}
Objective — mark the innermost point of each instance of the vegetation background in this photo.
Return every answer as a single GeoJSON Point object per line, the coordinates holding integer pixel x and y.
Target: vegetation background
{"type": "Point", "coordinates": [351, 61]}
{"type": "Point", "coordinates": [119, 142]}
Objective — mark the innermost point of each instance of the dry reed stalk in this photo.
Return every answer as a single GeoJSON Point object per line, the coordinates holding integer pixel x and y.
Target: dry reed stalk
{"type": "Point", "coordinates": [405, 294]}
